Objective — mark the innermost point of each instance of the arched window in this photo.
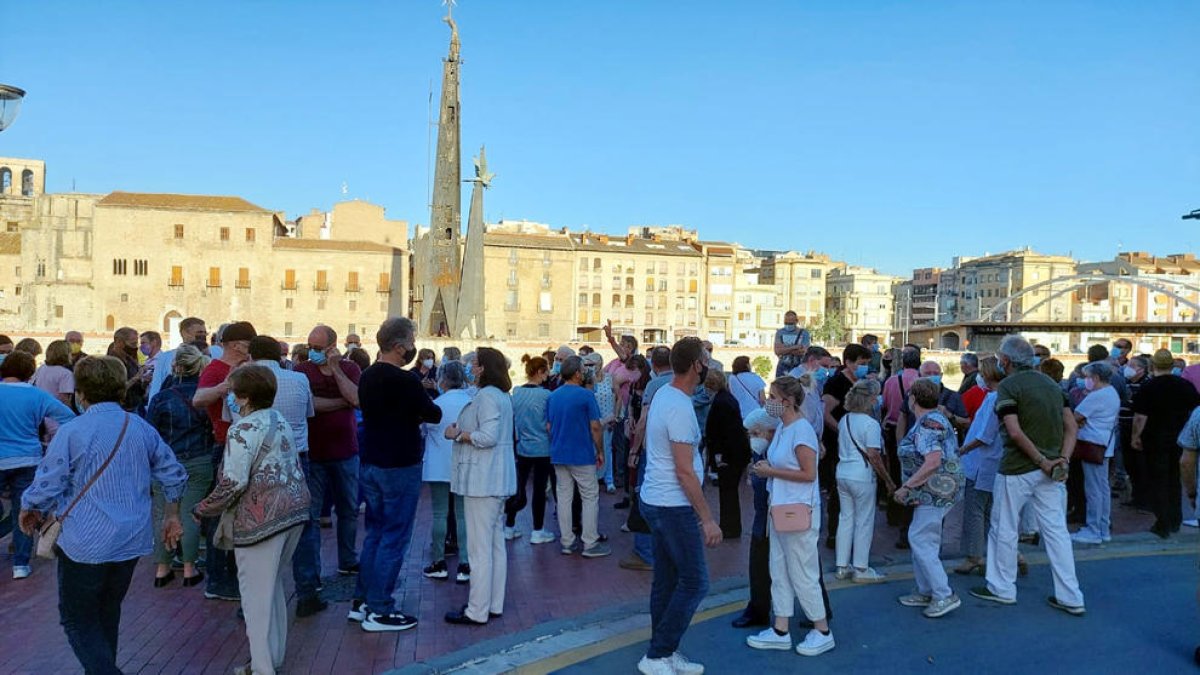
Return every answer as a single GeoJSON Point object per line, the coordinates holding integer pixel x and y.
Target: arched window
{"type": "Point", "coordinates": [26, 183]}
{"type": "Point", "coordinates": [5, 180]}
{"type": "Point", "coordinates": [110, 323]}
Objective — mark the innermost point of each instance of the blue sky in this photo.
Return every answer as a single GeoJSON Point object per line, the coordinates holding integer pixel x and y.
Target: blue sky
{"type": "Point", "coordinates": [892, 134]}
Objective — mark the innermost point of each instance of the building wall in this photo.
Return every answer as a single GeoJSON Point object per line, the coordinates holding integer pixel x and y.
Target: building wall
{"type": "Point", "coordinates": [529, 291]}
{"type": "Point", "coordinates": [863, 299]}
{"type": "Point", "coordinates": [800, 279]}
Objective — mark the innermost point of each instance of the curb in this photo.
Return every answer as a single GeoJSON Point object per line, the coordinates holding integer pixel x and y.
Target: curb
{"type": "Point", "coordinates": [557, 644]}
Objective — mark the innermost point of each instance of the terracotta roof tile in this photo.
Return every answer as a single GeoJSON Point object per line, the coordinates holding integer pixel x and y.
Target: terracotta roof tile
{"type": "Point", "coordinates": [186, 202]}
{"type": "Point", "coordinates": [332, 245]}
{"type": "Point", "coordinates": [557, 243]}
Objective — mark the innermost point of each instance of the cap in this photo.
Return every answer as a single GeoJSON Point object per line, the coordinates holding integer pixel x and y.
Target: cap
{"type": "Point", "coordinates": [593, 359]}
{"type": "Point", "coordinates": [239, 330]}
{"type": "Point", "coordinates": [1162, 360]}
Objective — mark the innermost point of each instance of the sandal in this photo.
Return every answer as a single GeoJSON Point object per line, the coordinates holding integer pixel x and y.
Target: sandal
{"type": "Point", "coordinates": [968, 567]}
{"type": "Point", "coordinates": [1022, 567]}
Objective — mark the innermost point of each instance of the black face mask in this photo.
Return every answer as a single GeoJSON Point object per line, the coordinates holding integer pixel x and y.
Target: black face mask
{"type": "Point", "coordinates": [200, 343]}
{"type": "Point", "coordinates": [409, 355]}
{"type": "Point", "coordinates": [703, 375]}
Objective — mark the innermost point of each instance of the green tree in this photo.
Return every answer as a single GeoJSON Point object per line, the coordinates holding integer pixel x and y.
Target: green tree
{"type": "Point", "coordinates": [831, 330]}
{"type": "Point", "coordinates": [762, 366]}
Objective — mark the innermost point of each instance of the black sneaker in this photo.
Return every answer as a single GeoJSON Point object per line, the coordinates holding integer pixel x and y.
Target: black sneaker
{"type": "Point", "coordinates": [464, 574]}
{"type": "Point", "coordinates": [437, 570]}
{"type": "Point", "coordinates": [348, 571]}
{"type": "Point", "coordinates": [382, 623]}
{"type": "Point", "coordinates": [309, 606]}
{"type": "Point", "coordinates": [358, 611]}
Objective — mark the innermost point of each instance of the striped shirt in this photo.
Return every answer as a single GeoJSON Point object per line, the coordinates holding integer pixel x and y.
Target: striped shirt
{"type": "Point", "coordinates": [111, 522]}
{"type": "Point", "coordinates": [293, 400]}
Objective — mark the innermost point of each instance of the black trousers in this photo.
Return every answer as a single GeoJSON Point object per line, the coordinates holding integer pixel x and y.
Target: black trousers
{"type": "Point", "coordinates": [898, 515]}
{"type": "Point", "coordinates": [1162, 465]}
{"type": "Point", "coordinates": [729, 479]}
{"type": "Point", "coordinates": [541, 469]}
{"type": "Point", "coordinates": [89, 608]}
{"type": "Point", "coordinates": [827, 477]}
{"type": "Point", "coordinates": [1135, 466]}
{"type": "Point", "coordinates": [1076, 496]}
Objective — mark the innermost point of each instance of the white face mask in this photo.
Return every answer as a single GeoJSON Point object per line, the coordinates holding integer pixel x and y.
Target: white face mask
{"type": "Point", "coordinates": [428, 363]}
{"type": "Point", "coordinates": [1129, 372]}
{"type": "Point", "coordinates": [759, 445]}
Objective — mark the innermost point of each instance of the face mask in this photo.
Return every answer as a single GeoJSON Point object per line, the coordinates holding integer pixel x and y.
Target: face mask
{"type": "Point", "coordinates": [759, 445]}
{"type": "Point", "coordinates": [317, 357]}
{"type": "Point", "coordinates": [1177, 370]}
{"type": "Point", "coordinates": [703, 374]}
{"type": "Point", "coordinates": [1129, 372]}
{"type": "Point", "coordinates": [556, 368]}
{"type": "Point", "coordinates": [789, 327]}
{"type": "Point", "coordinates": [1079, 382]}
{"type": "Point", "coordinates": [875, 349]}
{"type": "Point", "coordinates": [232, 404]}
{"type": "Point", "coordinates": [76, 348]}
{"type": "Point", "coordinates": [879, 401]}
{"type": "Point", "coordinates": [130, 350]}
{"type": "Point", "coordinates": [200, 343]}
{"type": "Point", "coordinates": [1089, 383]}
{"type": "Point", "coordinates": [936, 379]}
{"type": "Point", "coordinates": [822, 374]}
{"type": "Point", "coordinates": [408, 357]}
{"type": "Point", "coordinates": [1036, 360]}
{"type": "Point", "coordinates": [774, 408]}
{"type": "Point", "coordinates": [1116, 352]}
{"type": "Point", "coordinates": [427, 363]}
{"type": "Point", "coordinates": [1000, 366]}
{"type": "Point", "coordinates": [860, 372]}
{"type": "Point", "coordinates": [145, 349]}
{"type": "Point", "coordinates": [352, 346]}
{"type": "Point", "coordinates": [469, 373]}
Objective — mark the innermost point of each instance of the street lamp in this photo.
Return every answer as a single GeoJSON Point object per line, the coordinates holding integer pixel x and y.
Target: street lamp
{"type": "Point", "coordinates": [1194, 215]}
{"type": "Point", "coordinates": [10, 103]}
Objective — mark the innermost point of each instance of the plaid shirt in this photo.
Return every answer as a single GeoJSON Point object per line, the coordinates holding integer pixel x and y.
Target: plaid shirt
{"type": "Point", "coordinates": [293, 400]}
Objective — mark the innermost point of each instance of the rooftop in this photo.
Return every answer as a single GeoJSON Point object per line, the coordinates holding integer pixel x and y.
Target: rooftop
{"type": "Point", "coordinates": [332, 245]}
{"type": "Point", "coordinates": [147, 200]}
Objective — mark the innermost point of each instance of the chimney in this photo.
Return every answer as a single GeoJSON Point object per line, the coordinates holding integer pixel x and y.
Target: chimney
{"type": "Point", "coordinates": [629, 240]}
{"type": "Point", "coordinates": [604, 239]}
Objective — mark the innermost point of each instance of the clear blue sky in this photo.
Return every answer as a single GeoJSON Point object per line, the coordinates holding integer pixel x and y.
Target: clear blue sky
{"type": "Point", "coordinates": [893, 134]}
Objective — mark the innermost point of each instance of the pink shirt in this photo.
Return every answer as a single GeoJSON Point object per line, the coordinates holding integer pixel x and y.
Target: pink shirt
{"type": "Point", "coordinates": [892, 400]}
{"type": "Point", "coordinates": [622, 379]}
{"type": "Point", "coordinates": [1192, 374]}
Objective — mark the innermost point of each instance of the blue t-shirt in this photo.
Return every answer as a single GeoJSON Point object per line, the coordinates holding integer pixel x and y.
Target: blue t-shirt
{"type": "Point", "coordinates": [570, 412]}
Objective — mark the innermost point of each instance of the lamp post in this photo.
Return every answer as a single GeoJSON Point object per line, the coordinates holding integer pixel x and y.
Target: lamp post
{"type": "Point", "coordinates": [10, 103]}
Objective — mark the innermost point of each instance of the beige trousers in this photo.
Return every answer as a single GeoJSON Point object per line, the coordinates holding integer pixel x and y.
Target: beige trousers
{"type": "Point", "coordinates": [567, 477]}
{"type": "Point", "coordinates": [264, 602]}
{"type": "Point", "coordinates": [489, 557]}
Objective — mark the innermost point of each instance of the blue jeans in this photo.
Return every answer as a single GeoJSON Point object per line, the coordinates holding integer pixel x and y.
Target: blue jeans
{"type": "Point", "coordinates": [643, 544]}
{"type": "Point", "coordinates": [680, 575]}
{"type": "Point", "coordinates": [89, 608]}
{"type": "Point", "coordinates": [306, 561]}
{"type": "Point", "coordinates": [220, 567]}
{"type": "Point", "coordinates": [391, 496]}
{"type": "Point", "coordinates": [337, 482]}
{"type": "Point", "coordinates": [17, 481]}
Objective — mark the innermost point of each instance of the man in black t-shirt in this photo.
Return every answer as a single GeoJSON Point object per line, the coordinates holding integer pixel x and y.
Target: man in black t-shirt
{"type": "Point", "coordinates": [856, 359]}
{"type": "Point", "coordinates": [1160, 411]}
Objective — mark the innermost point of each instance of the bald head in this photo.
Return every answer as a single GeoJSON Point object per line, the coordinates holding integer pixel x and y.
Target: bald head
{"type": "Point", "coordinates": [930, 368]}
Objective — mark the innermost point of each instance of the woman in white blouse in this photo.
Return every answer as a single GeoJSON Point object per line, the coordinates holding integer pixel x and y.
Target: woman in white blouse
{"type": "Point", "coordinates": [791, 467]}
{"type": "Point", "coordinates": [435, 471]}
{"type": "Point", "coordinates": [859, 443]}
{"type": "Point", "coordinates": [485, 474]}
{"type": "Point", "coordinates": [1097, 417]}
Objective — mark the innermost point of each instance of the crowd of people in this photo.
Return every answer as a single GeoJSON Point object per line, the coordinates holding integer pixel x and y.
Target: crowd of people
{"type": "Point", "coordinates": [225, 457]}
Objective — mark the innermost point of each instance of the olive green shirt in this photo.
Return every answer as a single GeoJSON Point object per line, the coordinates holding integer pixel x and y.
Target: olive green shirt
{"type": "Point", "coordinates": [1038, 404]}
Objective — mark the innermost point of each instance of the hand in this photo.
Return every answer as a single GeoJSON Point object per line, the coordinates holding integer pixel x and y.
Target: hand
{"type": "Point", "coordinates": [30, 521]}
{"type": "Point", "coordinates": [172, 531]}
{"type": "Point", "coordinates": [428, 384]}
{"type": "Point", "coordinates": [608, 329]}
{"type": "Point", "coordinates": [1051, 463]}
{"type": "Point", "coordinates": [632, 462]}
{"type": "Point", "coordinates": [600, 459]}
{"type": "Point", "coordinates": [196, 518]}
{"type": "Point", "coordinates": [900, 495]}
{"type": "Point", "coordinates": [1136, 442]}
{"type": "Point", "coordinates": [761, 468]}
{"type": "Point", "coordinates": [712, 533]}
{"type": "Point", "coordinates": [333, 355]}
{"type": "Point", "coordinates": [451, 432]}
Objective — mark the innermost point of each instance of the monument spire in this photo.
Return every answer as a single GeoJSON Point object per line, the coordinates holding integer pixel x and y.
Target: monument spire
{"type": "Point", "coordinates": [440, 282]}
{"type": "Point", "coordinates": [470, 307]}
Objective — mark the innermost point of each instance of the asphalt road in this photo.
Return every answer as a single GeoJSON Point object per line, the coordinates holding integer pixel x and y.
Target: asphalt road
{"type": "Point", "coordinates": [1142, 618]}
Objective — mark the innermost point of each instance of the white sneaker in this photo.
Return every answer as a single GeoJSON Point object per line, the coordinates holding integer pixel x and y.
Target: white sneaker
{"type": "Point", "coordinates": [769, 639]}
{"type": "Point", "coordinates": [1086, 537]}
{"type": "Point", "coordinates": [511, 533]}
{"type": "Point", "coordinates": [1194, 522]}
{"type": "Point", "coordinates": [942, 607]}
{"type": "Point", "coordinates": [358, 611]}
{"type": "Point", "coordinates": [649, 666]}
{"type": "Point", "coordinates": [541, 537]}
{"type": "Point", "coordinates": [815, 643]}
{"type": "Point", "coordinates": [684, 667]}
{"type": "Point", "coordinates": [915, 599]}
{"type": "Point", "coordinates": [21, 571]}
{"type": "Point", "coordinates": [868, 576]}
{"type": "Point", "coordinates": [843, 573]}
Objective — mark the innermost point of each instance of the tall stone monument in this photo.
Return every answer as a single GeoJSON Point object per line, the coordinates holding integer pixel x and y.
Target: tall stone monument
{"type": "Point", "coordinates": [470, 306]}
{"type": "Point", "coordinates": [441, 272]}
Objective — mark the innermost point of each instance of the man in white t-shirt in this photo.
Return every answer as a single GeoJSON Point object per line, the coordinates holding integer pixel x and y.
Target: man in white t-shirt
{"type": "Point", "coordinates": [674, 506]}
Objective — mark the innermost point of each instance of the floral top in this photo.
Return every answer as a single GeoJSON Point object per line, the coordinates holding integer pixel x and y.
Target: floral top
{"type": "Point", "coordinates": [605, 398]}
{"type": "Point", "coordinates": [267, 492]}
{"type": "Point", "coordinates": [932, 433]}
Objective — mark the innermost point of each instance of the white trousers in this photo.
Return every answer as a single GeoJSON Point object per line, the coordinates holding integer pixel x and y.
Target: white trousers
{"type": "Point", "coordinates": [1099, 499]}
{"type": "Point", "coordinates": [1049, 502]}
{"type": "Point", "coordinates": [264, 602]}
{"type": "Point", "coordinates": [795, 567]}
{"type": "Point", "coordinates": [925, 538]}
{"type": "Point", "coordinates": [489, 557]}
{"type": "Point", "coordinates": [856, 522]}
{"type": "Point", "coordinates": [567, 476]}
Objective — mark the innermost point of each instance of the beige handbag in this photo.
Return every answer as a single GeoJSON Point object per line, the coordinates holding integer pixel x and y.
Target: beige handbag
{"type": "Point", "coordinates": [52, 528]}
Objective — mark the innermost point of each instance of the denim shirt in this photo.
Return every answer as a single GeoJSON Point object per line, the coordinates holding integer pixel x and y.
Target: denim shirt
{"type": "Point", "coordinates": [184, 428]}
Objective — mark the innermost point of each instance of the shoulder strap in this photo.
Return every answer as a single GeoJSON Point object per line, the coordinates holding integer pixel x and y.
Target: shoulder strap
{"type": "Point", "coordinates": [113, 453]}
{"type": "Point", "coordinates": [743, 385]}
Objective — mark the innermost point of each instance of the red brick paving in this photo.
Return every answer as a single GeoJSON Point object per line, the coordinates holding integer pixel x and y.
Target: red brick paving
{"type": "Point", "coordinates": [175, 630]}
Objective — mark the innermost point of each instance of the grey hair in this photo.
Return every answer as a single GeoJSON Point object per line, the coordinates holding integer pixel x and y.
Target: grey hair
{"type": "Point", "coordinates": [451, 354]}
{"type": "Point", "coordinates": [452, 375]}
{"type": "Point", "coordinates": [1100, 370]}
{"type": "Point", "coordinates": [570, 366]}
{"type": "Point", "coordinates": [189, 360]}
{"type": "Point", "coordinates": [394, 332]}
{"type": "Point", "coordinates": [1017, 350]}
{"type": "Point", "coordinates": [1142, 362]}
{"type": "Point", "coordinates": [758, 420]}
{"type": "Point", "coordinates": [970, 358]}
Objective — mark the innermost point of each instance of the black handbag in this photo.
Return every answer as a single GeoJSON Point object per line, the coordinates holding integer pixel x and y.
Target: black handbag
{"type": "Point", "coordinates": [635, 522]}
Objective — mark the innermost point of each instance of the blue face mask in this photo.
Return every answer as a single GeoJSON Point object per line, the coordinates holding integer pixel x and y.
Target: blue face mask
{"type": "Point", "coordinates": [999, 366]}
{"type": "Point", "coordinates": [317, 357]}
{"type": "Point", "coordinates": [860, 372]}
{"type": "Point", "coordinates": [556, 368]}
{"type": "Point", "coordinates": [1116, 352]}
{"type": "Point", "coordinates": [1080, 382]}
{"type": "Point", "coordinates": [468, 373]}
{"type": "Point", "coordinates": [1036, 361]}
{"type": "Point", "coordinates": [1177, 370]}
{"type": "Point", "coordinates": [232, 404]}
{"type": "Point", "coordinates": [936, 379]}
{"type": "Point", "coordinates": [822, 374]}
